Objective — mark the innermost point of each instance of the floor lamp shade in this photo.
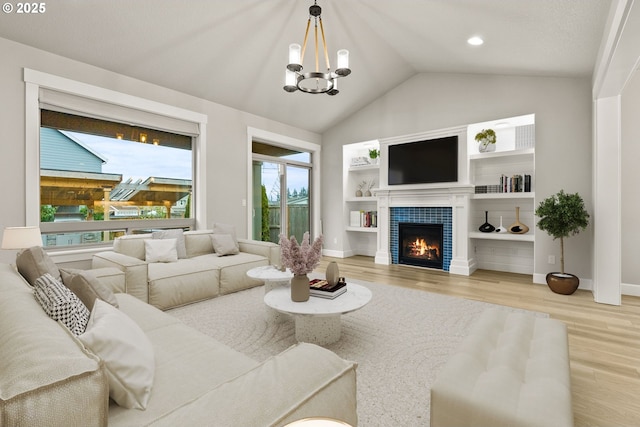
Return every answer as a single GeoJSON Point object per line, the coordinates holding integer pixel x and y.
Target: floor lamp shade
{"type": "Point", "coordinates": [21, 237]}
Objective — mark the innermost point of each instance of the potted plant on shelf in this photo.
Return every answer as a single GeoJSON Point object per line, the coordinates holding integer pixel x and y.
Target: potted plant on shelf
{"type": "Point", "coordinates": [562, 215]}
{"type": "Point", "coordinates": [374, 155]}
{"type": "Point", "coordinates": [486, 140]}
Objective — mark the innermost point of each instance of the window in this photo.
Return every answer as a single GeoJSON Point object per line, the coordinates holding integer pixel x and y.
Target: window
{"type": "Point", "coordinates": [109, 163]}
{"type": "Point", "coordinates": [95, 170]}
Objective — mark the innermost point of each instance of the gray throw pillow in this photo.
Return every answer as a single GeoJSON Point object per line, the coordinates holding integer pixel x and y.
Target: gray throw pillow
{"type": "Point", "coordinates": [174, 233]}
{"type": "Point", "coordinates": [87, 287]}
{"type": "Point", "coordinates": [223, 244]}
{"type": "Point", "coordinates": [219, 228]}
{"type": "Point", "coordinates": [34, 262]}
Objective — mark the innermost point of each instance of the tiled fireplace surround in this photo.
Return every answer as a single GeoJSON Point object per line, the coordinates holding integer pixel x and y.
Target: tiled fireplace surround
{"type": "Point", "coordinates": [444, 205]}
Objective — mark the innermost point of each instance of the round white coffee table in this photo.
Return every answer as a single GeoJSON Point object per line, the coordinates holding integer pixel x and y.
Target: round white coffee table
{"type": "Point", "coordinates": [272, 278]}
{"type": "Point", "coordinates": [318, 319]}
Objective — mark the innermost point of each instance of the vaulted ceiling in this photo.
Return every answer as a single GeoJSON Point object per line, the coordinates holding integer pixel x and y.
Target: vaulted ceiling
{"type": "Point", "coordinates": [234, 52]}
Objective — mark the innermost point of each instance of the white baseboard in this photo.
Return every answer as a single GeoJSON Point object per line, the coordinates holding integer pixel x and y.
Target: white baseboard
{"type": "Point", "coordinates": [337, 254]}
{"type": "Point", "coordinates": [630, 289]}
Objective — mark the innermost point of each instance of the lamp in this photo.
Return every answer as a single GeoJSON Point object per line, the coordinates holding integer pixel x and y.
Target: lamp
{"type": "Point", "coordinates": [314, 81]}
{"type": "Point", "coordinates": [21, 237]}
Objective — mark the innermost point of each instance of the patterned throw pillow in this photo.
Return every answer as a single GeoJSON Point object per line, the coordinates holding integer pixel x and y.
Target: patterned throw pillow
{"type": "Point", "coordinates": [61, 304]}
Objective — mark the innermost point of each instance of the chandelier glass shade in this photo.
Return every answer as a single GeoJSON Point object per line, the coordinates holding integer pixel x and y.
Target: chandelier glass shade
{"type": "Point", "coordinates": [318, 81]}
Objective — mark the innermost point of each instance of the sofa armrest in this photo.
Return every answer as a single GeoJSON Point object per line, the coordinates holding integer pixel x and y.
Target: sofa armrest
{"type": "Point", "coordinates": [135, 271]}
{"type": "Point", "coordinates": [269, 250]}
{"type": "Point", "coordinates": [111, 277]}
{"type": "Point", "coordinates": [301, 382]}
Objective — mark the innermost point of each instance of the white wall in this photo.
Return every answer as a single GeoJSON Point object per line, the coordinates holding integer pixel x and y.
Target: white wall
{"type": "Point", "coordinates": [630, 184]}
{"type": "Point", "coordinates": [431, 101]}
{"type": "Point", "coordinates": [226, 161]}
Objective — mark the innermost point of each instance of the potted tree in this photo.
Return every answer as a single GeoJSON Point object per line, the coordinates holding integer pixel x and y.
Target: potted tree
{"type": "Point", "coordinates": [562, 215]}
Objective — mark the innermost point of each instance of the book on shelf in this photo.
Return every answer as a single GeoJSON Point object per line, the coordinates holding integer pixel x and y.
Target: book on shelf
{"type": "Point", "coordinates": [515, 183]}
{"type": "Point", "coordinates": [363, 219]}
{"type": "Point", "coordinates": [322, 289]}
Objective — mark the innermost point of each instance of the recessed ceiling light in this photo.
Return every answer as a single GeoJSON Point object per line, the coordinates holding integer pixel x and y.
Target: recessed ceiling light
{"type": "Point", "coordinates": [475, 41]}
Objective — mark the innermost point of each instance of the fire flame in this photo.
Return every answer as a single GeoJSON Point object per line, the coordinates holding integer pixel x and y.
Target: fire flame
{"type": "Point", "coordinates": [421, 248]}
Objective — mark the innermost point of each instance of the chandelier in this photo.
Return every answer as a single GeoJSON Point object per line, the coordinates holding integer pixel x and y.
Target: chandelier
{"type": "Point", "coordinates": [314, 81]}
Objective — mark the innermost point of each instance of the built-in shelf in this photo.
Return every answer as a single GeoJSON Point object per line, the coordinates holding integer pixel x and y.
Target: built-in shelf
{"type": "Point", "coordinates": [527, 237]}
{"type": "Point", "coordinates": [363, 229]}
{"type": "Point", "coordinates": [508, 153]}
{"type": "Point", "coordinates": [364, 168]}
{"type": "Point", "coordinates": [361, 199]}
{"type": "Point", "coordinates": [520, 195]}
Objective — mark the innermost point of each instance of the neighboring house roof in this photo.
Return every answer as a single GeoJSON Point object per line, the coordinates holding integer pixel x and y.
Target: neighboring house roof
{"type": "Point", "coordinates": [60, 151]}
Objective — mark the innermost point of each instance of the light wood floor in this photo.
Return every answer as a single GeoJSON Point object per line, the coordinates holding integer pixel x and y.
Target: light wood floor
{"type": "Point", "coordinates": [604, 340]}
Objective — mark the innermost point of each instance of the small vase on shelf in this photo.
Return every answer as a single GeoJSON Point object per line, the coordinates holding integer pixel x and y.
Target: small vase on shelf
{"type": "Point", "coordinates": [300, 288]}
{"type": "Point", "coordinates": [486, 227]}
{"type": "Point", "coordinates": [518, 227]}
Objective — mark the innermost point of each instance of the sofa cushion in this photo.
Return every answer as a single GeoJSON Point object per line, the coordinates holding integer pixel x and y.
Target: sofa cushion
{"type": "Point", "coordinates": [183, 282]}
{"type": "Point", "coordinates": [61, 304]}
{"type": "Point", "coordinates": [34, 262]}
{"type": "Point", "coordinates": [198, 242]}
{"type": "Point", "coordinates": [219, 228]}
{"type": "Point", "coordinates": [224, 244]}
{"type": "Point", "coordinates": [188, 364]}
{"type": "Point", "coordinates": [87, 287]}
{"type": "Point", "coordinates": [174, 233]}
{"type": "Point", "coordinates": [43, 366]}
{"type": "Point", "coordinates": [233, 270]}
{"type": "Point", "coordinates": [131, 245]}
{"type": "Point", "coordinates": [293, 391]}
{"type": "Point", "coordinates": [160, 250]}
{"type": "Point", "coordinates": [127, 354]}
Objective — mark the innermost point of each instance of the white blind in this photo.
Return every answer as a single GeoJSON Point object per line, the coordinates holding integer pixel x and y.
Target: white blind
{"type": "Point", "coordinates": [81, 106]}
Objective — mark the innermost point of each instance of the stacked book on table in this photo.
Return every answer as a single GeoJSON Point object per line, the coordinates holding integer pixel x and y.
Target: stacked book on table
{"type": "Point", "coordinates": [322, 289]}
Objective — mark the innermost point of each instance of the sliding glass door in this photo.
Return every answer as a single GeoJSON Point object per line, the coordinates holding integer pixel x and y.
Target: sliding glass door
{"type": "Point", "coordinates": [281, 190]}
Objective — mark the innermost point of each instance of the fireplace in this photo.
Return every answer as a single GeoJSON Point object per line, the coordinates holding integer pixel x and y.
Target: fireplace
{"type": "Point", "coordinates": [420, 244]}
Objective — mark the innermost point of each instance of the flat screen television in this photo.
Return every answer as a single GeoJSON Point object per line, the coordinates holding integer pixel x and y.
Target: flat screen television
{"type": "Point", "coordinates": [424, 162]}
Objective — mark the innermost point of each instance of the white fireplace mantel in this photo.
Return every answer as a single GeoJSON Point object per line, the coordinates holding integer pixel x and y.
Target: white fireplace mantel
{"type": "Point", "coordinates": [455, 196]}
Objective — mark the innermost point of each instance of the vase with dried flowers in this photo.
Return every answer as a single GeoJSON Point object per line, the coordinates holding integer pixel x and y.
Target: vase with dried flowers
{"type": "Point", "coordinates": [301, 259]}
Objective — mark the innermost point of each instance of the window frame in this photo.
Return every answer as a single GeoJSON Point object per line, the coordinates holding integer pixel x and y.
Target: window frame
{"type": "Point", "coordinates": [34, 81]}
{"type": "Point", "coordinates": [260, 135]}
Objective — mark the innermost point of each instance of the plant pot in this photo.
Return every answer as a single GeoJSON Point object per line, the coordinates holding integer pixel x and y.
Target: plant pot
{"type": "Point", "coordinates": [564, 284]}
{"type": "Point", "coordinates": [300, 288]}
{"type": "Point", "coordinates": [484, 146]}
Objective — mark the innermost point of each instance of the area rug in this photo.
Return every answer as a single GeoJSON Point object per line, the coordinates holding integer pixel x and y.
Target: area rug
{"type": "Point", "coordinates": [400, 340]}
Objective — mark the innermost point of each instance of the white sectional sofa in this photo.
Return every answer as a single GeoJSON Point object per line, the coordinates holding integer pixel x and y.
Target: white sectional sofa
{"type": "Point", "coordinates": [50, 377]}
{"type": "Point", "coordinates": [200, 273]}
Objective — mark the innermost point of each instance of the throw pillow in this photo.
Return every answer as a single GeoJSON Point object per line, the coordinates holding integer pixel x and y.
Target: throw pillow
{"type": "Point", "coordinates": [126, 352]}
{"type": "Point", "coordinates": [87, 287]}
{"type": "Point", "coordinates": [174, 233]}
{"type": "Point", "coordinates": [160, 250]}
{"type": "Point", "coordinates": [223, 244]}
{"type": "Point", "coordinates": [219, 228]}
{"type": "Point", "coordinates": [61, 304]}
{"type": "Point", "coordinates": [34, 262]}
